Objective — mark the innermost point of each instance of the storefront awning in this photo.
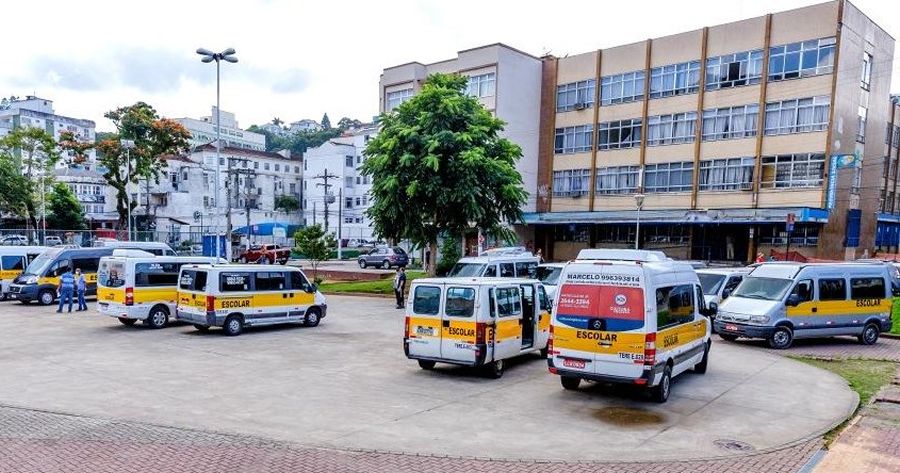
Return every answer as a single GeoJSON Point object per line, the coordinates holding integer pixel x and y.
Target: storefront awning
{"type": "Point", "coordinates": [736, 216]}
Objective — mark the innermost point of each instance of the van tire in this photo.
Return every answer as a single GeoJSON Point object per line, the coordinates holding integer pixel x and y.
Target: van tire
{"type": "Point", "coordinates": [313, 317]}
{"type": "Point", "coordinates": [781, 338]}
{"type": "Point", "coordinates": [544, 352]}
{"type": "Point", "coordinates": [233, 325]}
{"type": "Point", "coordinates": [700, 368]}
{"type": "Point", "coordinates": [427, 365]}
{"type": "Point", "coordinates": [869, 335]}
{"type": "Point", "coordinates": [46, 297]}
{"type": "Point", "coordinates": [660, 392]}
{"type": "Point", "coordinates": [495, 369]}
{"type": "Point", "coordinates": [158, 318]}
{"type": "Point", "coordinates": [202, 328]}
{"type": "Point", "coordinates": [570, 383]}
{"type": "Point", "coordinates": [728, 338]}
{"type": "Point", "coordinates": [128, 322]}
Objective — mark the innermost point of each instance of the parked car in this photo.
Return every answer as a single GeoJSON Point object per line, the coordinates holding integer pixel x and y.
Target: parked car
{"type": "Point", "coordinates": [52, 240]}
{"type": "Point", "coordinates": [384, 257]}
{"type": "Point", "coordinates": [14, 240]}
{"type": "Point", "coordinates": [265, 254]}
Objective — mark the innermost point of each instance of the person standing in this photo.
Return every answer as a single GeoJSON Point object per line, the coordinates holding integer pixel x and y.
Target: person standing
{"type": "Point", "coordinates": [80, 287]}
{"type": "Point", "coordinates": [400, 287]}
{"type": "Point", "coordinates": [65, 289]}
{"type": "Point", "coordinates": [760, 257]}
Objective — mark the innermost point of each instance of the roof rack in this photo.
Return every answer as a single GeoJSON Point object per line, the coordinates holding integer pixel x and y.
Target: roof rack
{"type": "Point", "coordinates": [506, 251]}
{"type": "Point", "coordinates": [623, 255]}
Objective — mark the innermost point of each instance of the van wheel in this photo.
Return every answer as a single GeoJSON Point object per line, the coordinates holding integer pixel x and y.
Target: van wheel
{"type": "Point", "coordinates": [46, 297]}
{"type": "Point", "coordinates": [426, 364]}
{"type": "Point", "coordinates": [700, 368]}
{"type": "Point", "coordinates": [728, 338]}
{"type": "Point", "coordinates": [781, 338]}
{"type": "Point", "coordinates": [312, 318]}
{"type": "Point", "coordinates": [660, 393]}
{"type": "Point", "coordinates": [544, 352]}
{"type": "Point", "coordinates": [495, 369]}
{"type": "Point", "coordinates": [128, 322]}
{"type": "Point", "coordinates": [158, 318]}
{"type": "Point", "coordinates": [869, 334]}
{"type": "Point", "coordinates": [386, 264]}
{"type": "Point", "coordinates": [202, 328]}
{"type": "Point", "coordinates": [233, 325]}
{"type": "Point", "coordinates": [570, 383]}
{"type": "Point", "coordinates": [4, 296]}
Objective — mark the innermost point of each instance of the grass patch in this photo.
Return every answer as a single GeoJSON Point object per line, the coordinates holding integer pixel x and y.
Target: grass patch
{"type": "Point", "coordinates": [381, 286]}
{"type": "Point", "coordinates": [865, 377]}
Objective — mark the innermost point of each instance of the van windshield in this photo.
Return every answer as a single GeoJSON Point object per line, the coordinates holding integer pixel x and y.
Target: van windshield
{"type": "Point", "coordinates": [710, 282]}
{"type": "Point", "coordinates": [768, 289]}
{"type": "Point", "coordinates": [547, 275]}
{"type": "Point", "coordinates": [467, 270]}
{"type": "Point", "coordinates": [39, 265]}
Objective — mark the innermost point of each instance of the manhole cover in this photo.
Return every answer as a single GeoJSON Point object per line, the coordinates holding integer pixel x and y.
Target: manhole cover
{"type": "Point", "coordinates": [733, 445]}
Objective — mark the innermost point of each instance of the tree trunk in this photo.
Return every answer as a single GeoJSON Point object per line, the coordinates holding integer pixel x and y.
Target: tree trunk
{"type": "Point", "coordinates": [32, 220]}
{"type": "Point", "coordinates": [432, 258]}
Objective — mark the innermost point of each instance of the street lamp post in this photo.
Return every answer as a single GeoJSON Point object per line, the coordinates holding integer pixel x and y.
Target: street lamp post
{"type": "Point", "coordinates": [639, 200]}
{"type": "Point", "coordinates": [127, 145]}
{"type": "Point", "coordinates": [209, 56]}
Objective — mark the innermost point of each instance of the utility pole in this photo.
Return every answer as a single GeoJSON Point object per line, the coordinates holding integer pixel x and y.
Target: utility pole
{"type": "Point", "coordinates": [325, 185]}
{"type": "Point", "coordinates": [340, 204]}
{"type": "Point", "coordinates": [314, 212]}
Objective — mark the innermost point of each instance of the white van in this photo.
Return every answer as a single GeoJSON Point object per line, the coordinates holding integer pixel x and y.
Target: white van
{"type": "Point", "coordinates": [475, 321]}
{"type": "Point", "coordinates": [628, 316]}
{"type": "Point", "coordinates": [134, 285]}
{"type": "Point", "coordinates": [548, 275]}
{"type": "Point", "coordinates": [14, 260]}
{"type": "Point", "coordinates": [155, 247]}
{"type": "Point", "coordinates": [719, 283]}
{"type": "Point", "coordinates": [783, 301]}
{"type": "Point", "coordinates": [502, 264]}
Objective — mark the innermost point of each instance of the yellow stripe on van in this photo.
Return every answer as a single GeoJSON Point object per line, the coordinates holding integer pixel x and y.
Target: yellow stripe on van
{"type": "Point", "coordinates": [671, 338]}
{"type": "Point", "coordinates": [832, 308]}
{"type": "Point", "coordinates": [544, 321]}
{"type": "Point", "coordinates": [594, 341]}
{"type": "Point", "coordinates": [262, 300]}
{"type": "Point", "coordinates": [144, 295]}
{"type": "Point", "coordinates": [459, 331]}
{"type": "Point", "coordinates": [507, 328]}
{"type": "Point", "coordinates": [88, 277]}
{"type": "Point", "coordinates": [9, 273]}
{"type": "Point", "coordinates": [108, 294]}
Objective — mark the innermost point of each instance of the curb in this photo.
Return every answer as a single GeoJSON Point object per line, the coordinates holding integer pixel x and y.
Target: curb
{"type": "Point", "coordinates": [892, 336]}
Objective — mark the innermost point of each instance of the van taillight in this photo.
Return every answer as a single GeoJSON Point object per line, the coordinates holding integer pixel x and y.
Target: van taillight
{"type": "Point", "coordinates": [479, 333]}
{"type": "Point", "coordinates": [406, 326]}
{"type": "Point", "coordinates": [550, 343]}
{"type": "Point", "coordinates": [210, 303]}
{"type": "Point", "coordinates": [650, 349]}
{"type": "Point", "coordinates": [129, 296]}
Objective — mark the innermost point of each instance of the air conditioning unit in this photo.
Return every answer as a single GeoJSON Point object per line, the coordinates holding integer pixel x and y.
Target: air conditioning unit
{"type": "Point", "coordinates": [580, 106]}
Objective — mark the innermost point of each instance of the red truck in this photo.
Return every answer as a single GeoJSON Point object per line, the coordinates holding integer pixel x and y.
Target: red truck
{"type": "Point", "coordinates": [265, 254]}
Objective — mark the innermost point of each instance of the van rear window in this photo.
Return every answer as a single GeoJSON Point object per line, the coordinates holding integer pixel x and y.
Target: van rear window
{"type": "Point", "coordinates": [427, 300]}
{"type": "Point", "coordinates": [867, 288]}
{"type": "Point", "coordinates": [111, 274]}
{"type": "Point", "coordinates": [460, 301]}
{"type": "Point", "coordinates": [596, 307]}
{"type": "Point", "coordinates": [193, 280]}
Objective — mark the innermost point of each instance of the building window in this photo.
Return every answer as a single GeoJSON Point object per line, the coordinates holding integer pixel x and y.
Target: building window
{"type": "Point", "coordinates": [394, 99]}
{"type": "Point", "coordinates": [675, 79]}
{"type": "Point", "coordinates": [348, 181]}
{"type": "Point", "coordinates": [256, 165]}
{"type": "Point", "coordinates": [573, 139]}
{"type": "Point", "coordinates": [575, 96]}
{"type": "Point", "coordinates": [571, 182]}
{"type": "Point", "coordinates": [798, 115]}
{"type": "Point", "coordinates": [348, 161]}
{"type": "Point", "coordinates": [617, 180]}
{"type": "Point", "coordinates": [803, 235]}
{"type": "Point", "coordinates": [671, 129]}
{"type": "Point", "coordinates": [804, 59]}
{"type": "Point", "coordinates": [358, 180]}
{"type": "Point", "coordinates": [793, 170]}
{"type": "Point", "coordinates": [348, 202]}
{"type": "Point", "coordinates": [734, 70]}
{"type": "Point", "coordinates": [277, 167]}
{"type": "Point", "coordinates": [358, 201]}
{"type": "Point", "coordinates": [726, 174]}
{"type": "Point", "coordinates": [669, 177]}
{"type": "Point", "coordinates": [621, 88]}
{"type": "Point", "coordinates": [296, 169]}
{"type": "Point", "coordinates": [862, 114]}
{"type": "Point", "coordinates": [482, 85]}
{"type": "Point", "coordinates": [620, 134]}
{"type": "Point", "coordinates": [266, 166]}
{"type": "Point", "coordinates": [730, 122]}
{"type": "Point", "coordinates": [866, 74]}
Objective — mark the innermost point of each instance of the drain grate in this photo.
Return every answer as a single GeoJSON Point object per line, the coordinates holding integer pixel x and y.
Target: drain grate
{"type": "Point", "coordinates": [733, 445]}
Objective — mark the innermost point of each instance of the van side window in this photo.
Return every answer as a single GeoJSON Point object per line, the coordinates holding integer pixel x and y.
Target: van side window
{"type": "Point", "coordinates": [525, 269]}
{"type": "Point", "coordinates": [234, 282]}
{"type": "Point", "coordinates": [492, 301]}
{"type": "Point", "coordinates": [507, 270]}
{"type": "Point", "coordinates": [543, 299]}
{"type": "Point", "coordinates": [155, 274]}
{"type": "Point", "coordinates": [427, 300]}
{"type": "Point", "coordinates": [298, 281]}
{"type": "Point", "coordinates": [59, 268]}
{"type": "Point", "coordinates": [270, 282]}
{"type": "Point", "coordinates": [832, 289]}
{"type": "Point", "coordinates": [87, 265]}
{"type": "Point", "coordinates": [490, 271]}
{"type": "Point", "coordinates": [674, 305]}
{"type": "Point", "coordinates": [867, 288]}
{"type": "Point", "coordinates": [460, 302]}
{"type": "Point", "coordinates": [731, 285]}
{"type": "Point", "coordinates": [803, 289]}
{"type": "Point", "coordinates": [509, 302]}
{"type": "Point", "coordinates": [10, 263]}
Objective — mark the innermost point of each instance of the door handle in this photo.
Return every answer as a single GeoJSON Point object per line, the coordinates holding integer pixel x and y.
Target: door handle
{"type": "Point", "coordinates": [815, 309]}
{"type": "Point", "coordinates": [520, 321]}
{"type": "Point", "coordinates": [445, 323]}
{"type": "Point", "coordinates": [284, 295]}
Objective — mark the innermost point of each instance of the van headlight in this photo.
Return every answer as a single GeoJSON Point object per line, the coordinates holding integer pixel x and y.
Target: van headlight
{"type": "Point", "coordinates": [30, 279]}
{"type": "Point", "coordinates": [759, 319]}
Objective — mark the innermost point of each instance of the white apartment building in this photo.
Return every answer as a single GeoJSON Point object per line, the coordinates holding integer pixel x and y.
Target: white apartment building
{"type": "Point", "coordinates": [203, 131]}
{"type": "Point", "coordinates": [97, 199]}
{"type": "Point", "coordinates": [304, 125]}
{"type": "Point", "coordinates": [37, 112]}
{"type": "Point", "coordinates": [347, 194]}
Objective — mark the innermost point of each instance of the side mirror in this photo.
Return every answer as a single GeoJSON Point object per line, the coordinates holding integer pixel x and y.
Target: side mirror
{"type": "Point", "coordinates": [726, 293]}
{"type": "Point", "coordinates": [312, 288]}
{"type": "Point", "coordinates": [793, 300]}
{"type": "Point", "coordinates": [712, 309]}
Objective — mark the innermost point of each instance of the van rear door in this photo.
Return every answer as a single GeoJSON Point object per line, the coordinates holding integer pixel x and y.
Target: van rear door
{"type": "Point", "coordinates": [423, 322]}
{"type": "Point", "coordinates": [599, 320]}
{"type": "Point", "coordinates": [458, 324]}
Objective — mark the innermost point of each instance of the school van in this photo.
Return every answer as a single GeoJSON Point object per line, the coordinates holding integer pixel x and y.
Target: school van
{"type": "Point", "coordinates": [504, 265]}
{"type": "Point", "coordinates": [13, 260]}
{"type": "Point", "coordinates": [141, 288]}
{"type": "Point", "coordinates": [718, 284]}
{"type": "Point", "coordinates": [154, 247]}
{"type": "Point", "coordinates": [475, 321]}
{"type": "Point", "coordinates": [236, 296]}
{"type": "Point", "coordinates": [784, 301]}
{"type": "Point", "coordinates": [628, 316]}
{"type": "Point", "coordinates": [41, 277]}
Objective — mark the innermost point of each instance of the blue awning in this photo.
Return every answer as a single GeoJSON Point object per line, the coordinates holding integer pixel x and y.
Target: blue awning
{"type": "Point", "coordinates": [264, 229]}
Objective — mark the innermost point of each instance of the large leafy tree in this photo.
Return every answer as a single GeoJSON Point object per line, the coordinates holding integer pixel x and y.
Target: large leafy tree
{"type": "Point", "coordinates": [65, 212]}
{"type": "Point", "coordinates": [439, 165]}
{"type": "Point", "coordinates": [35, 152]}
{"type": "Point", "coordinates": [287, 203]}
{"type": "Point", "coordinates": [15, 189]}
{"type": "Point", "coordinates": [154, 138]}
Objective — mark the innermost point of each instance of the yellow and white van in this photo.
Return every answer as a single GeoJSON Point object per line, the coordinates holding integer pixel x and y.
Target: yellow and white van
{"type": "Point", "coordinates": [14, 260]}
{"type": "Point", "coordinates": [784, 301]}
{"type": "Point", "coordinates": [40, 279]}
{"type": "Point", "coordinates": [234, 296]}
{"type": "Point", "coordinates": [628, 316]}
{"type": "Point", "coordinates": [475, 321]}
{"type": "Point", "coordinates": [144, 287]}
{"type": "Point", "coordinates": [516, 262]}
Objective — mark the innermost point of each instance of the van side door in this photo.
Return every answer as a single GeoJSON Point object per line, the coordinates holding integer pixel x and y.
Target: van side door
{"type": "Point", "coordinates": [458, 324]}
{"type": "Point", "coordinates": [677, 325]}
{"type": "Point", "coordinates": [300, 299]}
{"type": "Point", "coordinates": [545, 307]}
{"type": "Point", "coordinates": [832, 301]}
{"type": "Point", "coordinates": [806, 313]}
{"type": "Point", "coordinates": [508, 328]}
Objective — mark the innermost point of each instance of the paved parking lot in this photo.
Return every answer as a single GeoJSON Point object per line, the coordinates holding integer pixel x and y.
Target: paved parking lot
{"type": "Point", "coordinates": [346, 385]}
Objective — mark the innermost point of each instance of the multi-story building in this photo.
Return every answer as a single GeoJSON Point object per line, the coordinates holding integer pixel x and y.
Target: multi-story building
{"type": "Point", "coordinates": [887, 234]}
{"type": "Point", "coordinates": [93, 193]}
{"type": "Point", "coordinates": [304, 125]}
{"type": "Point", "coordinates": [39, 113]}
{"type": "Point", "coordinates": [344, 196]}
{"type": "Point", "coordinates": [203, 131]}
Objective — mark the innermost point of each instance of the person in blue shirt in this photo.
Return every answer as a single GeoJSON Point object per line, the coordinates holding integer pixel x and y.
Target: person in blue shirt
{"type": "Point", "coordinates": [65, 289]}
{"type": "Point", "coordinates": [80, 287]}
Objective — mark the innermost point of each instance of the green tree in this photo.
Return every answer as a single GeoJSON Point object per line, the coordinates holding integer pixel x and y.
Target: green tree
{"type": "Point", "coordinates": [439, 166]}
{"type": "Point", "coordinates": [287, 203]}
{"type": "Point", "coordinates": [326, 123]}
{"type": "Point", "coordinates": [35, 152]}
{"type": "Point", "coordinates": [315, 245]}
{"type": "Point", "coordinates": [65, 212]}
{"type": "Point", "coordinates": [451, 252]}
{"type": "Point", "coordinates": [346, 123]}
{"type": "Point", "coordinates": [15, 189]}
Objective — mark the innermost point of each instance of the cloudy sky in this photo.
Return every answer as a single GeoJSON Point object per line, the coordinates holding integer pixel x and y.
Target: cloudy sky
{"type": "Point", "coordinates": [299, 59]}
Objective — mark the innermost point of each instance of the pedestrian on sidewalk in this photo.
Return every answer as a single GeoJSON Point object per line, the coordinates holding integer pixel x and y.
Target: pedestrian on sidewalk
{"type": "Point", "coordinates": [400, 287]}
{"type": "Point", "coordinates": [80, 287]}
{"type": "Point", "coordinates": [65, 289]}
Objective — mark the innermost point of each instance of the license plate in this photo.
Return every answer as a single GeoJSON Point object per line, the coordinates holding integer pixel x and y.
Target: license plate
{"type": "Point", "coordinates": [731, 327]}
{"type": "Point", "coordinates": [573, 363]}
